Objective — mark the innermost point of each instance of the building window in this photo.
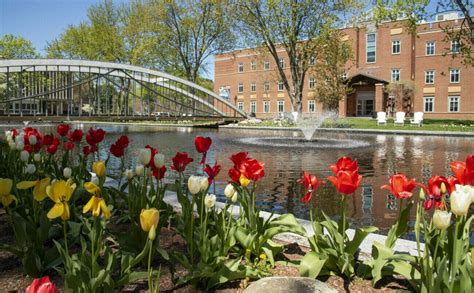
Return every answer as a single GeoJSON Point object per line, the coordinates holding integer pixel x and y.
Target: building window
{"type": "Point", "coordinates": [455, 46]}
{"type": "Point", "coordinates": [253, 107]}
{"type": "Point", "coordinates": [312, 60]}
{"type": "Point", "coordinates": [281, 61]}
{"type": "Point", "coordinates": [312, 82]}
{"type": "Point", "coordinates": [240, 106]}
{"type": "Point", "coordinates": [266, 106]}
{"type": "Point", "coordinates": [281, 106]}
{"type": "Point", "coordinates": [453, 104]}
{"type": "Point", "coordinates": [253, 65]}
{"type": "Point", "coordinates": [280, 85]}
{"type": "Point", "coordinates": [454, 75]}
{"type": "Point", "coordinates": [311, 106]}
{"type": "Point", "coordinates": [370, 48]}
{"type": "Point", "coordinates": [395, 75]}
{"type": "Point", "coordinates": [241, 66]}
{"type": "Point", "coordinates": [253, 86]}
{"type": "Point", "coordinates": [266, 86]}
{"type": "Point", "coordinates": [240, 88]}
{"type": "Point", "coordinates": [396, 47]}
{"type": "Point", "coordinates": [430, 48]}
{"type": "Point", "coordinates": [429, 104]}
{"type": "Point", "coordinates": [266, 65]}
{"type": "Point", "coordinates": [429, 76]}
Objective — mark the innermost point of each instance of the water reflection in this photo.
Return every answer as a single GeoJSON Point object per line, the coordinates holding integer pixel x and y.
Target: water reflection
{"type": "Point", "coordinates": [417, 156]}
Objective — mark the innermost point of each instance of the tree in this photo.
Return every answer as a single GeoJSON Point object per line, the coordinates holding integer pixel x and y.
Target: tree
{"type": "Point", "coordinates": [303, 29]}
{"type": "Point", "coordinates": [13, 47]}
{"type": "Point", "coordinates": [403, 92]}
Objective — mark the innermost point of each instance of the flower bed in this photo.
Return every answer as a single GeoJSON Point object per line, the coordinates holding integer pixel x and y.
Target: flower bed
{"type": "Point", "coordinates": [64, 218]}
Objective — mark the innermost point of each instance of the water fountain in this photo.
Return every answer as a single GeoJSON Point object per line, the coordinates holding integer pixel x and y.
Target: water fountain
{"type": "Point", "coordinates": [308, 124]}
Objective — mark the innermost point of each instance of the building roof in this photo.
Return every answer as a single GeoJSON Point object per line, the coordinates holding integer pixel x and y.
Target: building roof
{"type": "Point", "coordinates": [364, 79]}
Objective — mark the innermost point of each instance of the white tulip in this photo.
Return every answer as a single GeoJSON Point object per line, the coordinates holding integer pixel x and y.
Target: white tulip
{"type": "Point", "coordinates": [95, 180]}
{"type": "Point", "coordinates": [460, 201]}
{"type": "Point", "coordinates": [194, 184]}
{"type": "Point", "coordinates": [67, 172]}
{"type": "Point", "coordinates": [24, 156]}
{"type": "Point", "coordinates": [235, 197]}
{"type": "Point", "coordinates": [12, 145]}
{"type": "Point", "coordinates": [20, 145]}
{"type": "Point", "coordinates": [204, 183]}
{"type": "Point", "coordinates": [37, 157]}
{"type": "Point", "coordinates": [139, 170]}
{"type": "Point", "coordinates": [159, 160]}
{"type": "Point", "coordinates": [144, 155]}
{"type": "Point", "coordinates": [32, 139]}
{"type": "Point", "coordinates": [19, 138]}
{"type": "Point", "coordinates": [30, 169]}
{"type": "Point", "coordinates": [441, 219]}
{"type": "Point", "coordinates": [210, 201]}
{"type": "Point", "coordinates": [229, 190]}
{"type": "Point", "coordinates": [128, 173]}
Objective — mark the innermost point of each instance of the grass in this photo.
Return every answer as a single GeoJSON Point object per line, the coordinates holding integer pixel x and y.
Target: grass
{"type": "Point", "coordinates": [364, 123]}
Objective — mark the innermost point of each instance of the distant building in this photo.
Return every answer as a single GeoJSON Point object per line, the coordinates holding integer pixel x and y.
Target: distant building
{"type": "Point", "coordinates": [443, 87]}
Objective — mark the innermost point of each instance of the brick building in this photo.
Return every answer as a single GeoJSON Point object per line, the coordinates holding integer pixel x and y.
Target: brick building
{"type": "Point", "coordinates": [442, 86]}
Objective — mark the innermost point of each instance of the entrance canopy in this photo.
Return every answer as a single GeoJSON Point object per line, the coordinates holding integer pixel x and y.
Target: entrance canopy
{"type": "Point", "coordinates": [364, 79]}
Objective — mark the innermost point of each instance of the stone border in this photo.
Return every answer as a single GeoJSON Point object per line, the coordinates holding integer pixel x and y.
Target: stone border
{"type": "Point", "coordinates": [359, 130]}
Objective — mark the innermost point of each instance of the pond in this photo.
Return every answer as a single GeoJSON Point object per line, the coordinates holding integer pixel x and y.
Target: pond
{"type": "Point", "coordinates": [379, 156]}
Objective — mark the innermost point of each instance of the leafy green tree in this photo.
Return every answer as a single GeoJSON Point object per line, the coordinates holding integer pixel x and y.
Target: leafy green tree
{"type": "Point", "coordinates": [16, 47]}
{"type": "Point", "coordinates": [301, 28]}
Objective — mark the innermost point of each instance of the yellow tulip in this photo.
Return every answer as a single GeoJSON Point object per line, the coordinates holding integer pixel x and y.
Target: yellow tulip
{"type": "Point", "coordinates": [39, 190]}
{"type": "Point", "coordinates": [99, 168]}
{"type": "Point", "coordinates": [96, 203]}
{"type": "Point", "coordinates": [60, 192]}
{"type": "Point", "coordinates": [5, 189]}
{"type": "Point", "coordinates": [149, 221]}
{"type": "Point", "coordinates": [244, 181]}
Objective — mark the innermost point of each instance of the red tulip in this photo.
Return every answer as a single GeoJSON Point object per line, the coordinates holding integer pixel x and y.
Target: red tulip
{"type": "Point", "coordinates": [123, 141]}
{"type": "Point", "coordinates": [153, 153]}
{"type": "Point", "coordinates": [238, 159]}
{"type": "Point", "coordinates": [435, 196]}
{"type": "Point", "coordinates": [76, 135]}
{"type": "Point", "coordinates": [95, 136]}
{"type": "Point", "coordinates": [52, 149]}
{"type": "Point", "coordinates": [159, 173]}
{"type": "Point", "coordinates": [42, 285]}
{"type": "Point", "coordinates": [311, 183]}
{"type": "Point", "coordinates": [234, 174]}
{"type": "Point", "coordinates": [252, 169]}
{"type": "Point", "coordinates": [68, 146]}
{"type": "Point", "coordinates": [14, 132]}
{"type": "Point", "coordinates": [344, 164]}
{"type": "Point", "coordinates": [346, 182]}
{"type": "Point", "coordinates": [28, 148]}
{"type": "Point", "coordinates": [48, 139]}
{"type": "Point", "coordinates": [202, 146]}
{"type": "Point", "coordinates": [180, 161]}
{"type": "Point", "coordinates": [453, 181]}
{"type": "Point", "coordinates": [400, 186]}
{"type": "Point", "coordinates": [63, 129]}
{"type": "Point", "coordinates": [86, 150]}
{"type": "Point", "coordinates": [464, 171]}
{"type": "Point", "coordinates": [118, 148]}
{"type": "Point", "coordinates": [212, 171]}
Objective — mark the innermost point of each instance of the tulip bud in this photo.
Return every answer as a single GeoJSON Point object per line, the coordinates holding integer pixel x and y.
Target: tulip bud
{"type": "Point", "coordinates": [229, 190]}
{"type": "Point", "coordinates": [144, 155]}
{"type": "Point", "coordinates": [210, 201]}
{"type": "Point", "coordinates": [12, 145]}
{"type": "Point", "coordinates": [67, 172]}
{"type": "Point", "coordinates": [30, 169]}
{"type": "Point", "coordinates": [37, 157]}
{"type": "Point", "coordinates": [194, 184]}
{"type": "Point", "coordinates": [19, 139]}
{"type": "Point", "coordinates": [99, 168]}
{"type": "Point", "coordinates": [159, 160]}
{"type": "Point", "coordinates": [204, 184]}
{"type": "Point", "coordinates": [443, 188]}
{"type": "Point", "coordinates": [422, 194]}
{"type": "Point", "coordinates": [32, 139]}
{"type": "Point", "coordinates": [149, 219]}
{"type": "Point", "coordinates": [95, 180]}
{"type": "Point", "coordinates": [441, 219]}
{"type": "Point", "coordinates": [460, 202]}
{"type": "Point", "coordinates": [128, 173]}
{"type": "Point", "coordinates": [24, 156]}
{"type": "Point", "coordinates": [235, 197]}
{"type": "Point", "coordinates": [20, 145]}
{"type": "Point", "coordinates": [139, 170]}
{"type": "Point", "coordinates": [244, 181]}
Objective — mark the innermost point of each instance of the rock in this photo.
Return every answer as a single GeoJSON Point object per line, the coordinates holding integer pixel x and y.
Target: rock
{"type": "Point", "coordinates": [289, 284]}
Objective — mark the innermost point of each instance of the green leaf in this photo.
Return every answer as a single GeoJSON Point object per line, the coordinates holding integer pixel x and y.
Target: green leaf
{"type": "Point", "coordinates": [282, 224]}
{"type": "Point", "coordinates": [312, 263]}
{"type": "Point", "coordinates": [400, 227]}
{"type": "Point", "coordinates": [381, 255]}
{"type": "Point", "coordinates": [359, 236]}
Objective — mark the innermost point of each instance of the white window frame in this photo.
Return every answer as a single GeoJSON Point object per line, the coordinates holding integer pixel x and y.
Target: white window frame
{"type": "Point", "coordinates": [240, 87]}
{"type": "Point", "coordinates": [253, 86]}
{"type": "Point", "coordinates": [266, 86]}
{"type": "Point", "coordinates": [451, 75]}
{"type": "Point", "coordinates": [396, 70]}
{"type": "Point", "coordinates": [425, 99]}
{"type": "Point", "coordinates": [427, 73]}
{"type": "Point", "coordinates": [458, 46]}
{"type": "Point", "coordinates": [311, 103]}
{"type": "Point", "coordinates": [281, 63]}
{"type": "Point", "coordinates": [241, 106]}
{"type": "Point", "coordinates": [281, 103]}
{"type": "Point", "coordinates": [253, 65]}
{"type": "Point", "coordinates": [266, 106]}
{"type": "Point", "coordinates": [396, 44]}
{"type": "Point", "coordinates": [266, 65]}
{"type": "Point", "coordinates": [312, 83]}
{"type": "Point", "coordinates": [312, 60]}
{"type": "Point", "coordinates": [281, 86]}
{"type": "Point", "coordinates": [241, 67]}
{"type": "Point", "coordinates": [367, 47]}
{"type": "Point", "coordinates": [434, 48]}
{"type": "Point", "coordinates": [458, 104]}
{"type": "Point", "coordinates": [253, 104]}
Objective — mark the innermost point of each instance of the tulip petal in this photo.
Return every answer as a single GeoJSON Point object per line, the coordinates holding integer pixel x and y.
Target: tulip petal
{"type": "Point", "coordinates": [26, 184]}
{"type": "Point", "coordinates": [91, 187]}
{"type": "Point", "coordinates": [88, 206]}
{"type": "Point", "coordinates": [66, 214]}
{"type": "Point", "coordinates": [8, 199]}
{"type": "Point", "coordinates": [104, 209]}
{"type": "Point", "coordinates": [5, 186]}
{"type": "Point", "coordinates": [56, 211]}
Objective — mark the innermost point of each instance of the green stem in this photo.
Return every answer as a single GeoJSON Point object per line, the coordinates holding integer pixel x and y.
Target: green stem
{"type": "Point", "coordinates": [191, 231]}
{"type": "Point", "coordinates": [65, 237]}
{"type": "Point", "coordinates": [454, 263]}
{"type": "Point", "coordinates": [150, 272]}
